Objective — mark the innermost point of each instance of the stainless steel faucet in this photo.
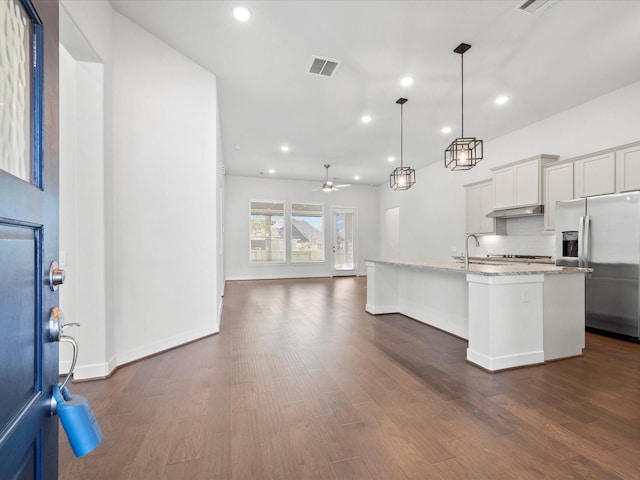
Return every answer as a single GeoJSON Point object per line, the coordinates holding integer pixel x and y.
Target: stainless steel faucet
{"type": "Point", "coordinates": [466, 249]}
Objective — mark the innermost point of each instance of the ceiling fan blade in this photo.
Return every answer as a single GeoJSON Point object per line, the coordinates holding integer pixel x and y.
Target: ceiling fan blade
{"type": "Point", "coordinates": [344, 185]}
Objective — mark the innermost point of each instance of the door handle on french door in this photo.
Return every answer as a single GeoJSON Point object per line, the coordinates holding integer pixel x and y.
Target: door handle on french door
{"type": "Point", "coordinates": [56, 276]}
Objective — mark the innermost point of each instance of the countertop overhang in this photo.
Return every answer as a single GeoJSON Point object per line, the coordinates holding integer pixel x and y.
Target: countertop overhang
{"type": "Point", "coordinates": [481, 268]}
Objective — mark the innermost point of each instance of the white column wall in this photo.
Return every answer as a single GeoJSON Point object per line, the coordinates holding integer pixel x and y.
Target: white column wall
{"type": "Point", "coordinates": [432, 212]}
{"type": "Point", "coordinates": [164, 195]}
{"type": "Point", "coordinates": [82, 232]}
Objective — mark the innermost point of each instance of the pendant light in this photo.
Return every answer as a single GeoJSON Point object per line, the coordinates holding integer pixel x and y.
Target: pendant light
{"type": "Point", "coordinates": [464, 152]}
{"type": "Point", "coordinates": [402, 178]}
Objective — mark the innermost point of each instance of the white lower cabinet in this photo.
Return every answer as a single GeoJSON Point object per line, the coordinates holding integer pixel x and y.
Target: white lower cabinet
{"type": "Point", "coordinates": [558, 186]}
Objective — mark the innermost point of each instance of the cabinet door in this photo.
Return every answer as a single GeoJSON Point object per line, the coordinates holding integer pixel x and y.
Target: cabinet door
{"type": "Point", "coordinates": [503, 188]}
{"type": "Point", "coordinates": [558, 186]}
{"type": "Point", "coordinates": [479, 203]}
{"type": "Point", "coordinates": [527, 183]}
{"type": "Point", "coordinates": [628, 169]}
{"type": "Point", "coordinates": [595, 176]}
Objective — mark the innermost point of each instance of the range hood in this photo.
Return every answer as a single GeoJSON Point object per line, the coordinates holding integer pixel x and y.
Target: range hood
{"type": "Point", "coordinates": [517, 212]}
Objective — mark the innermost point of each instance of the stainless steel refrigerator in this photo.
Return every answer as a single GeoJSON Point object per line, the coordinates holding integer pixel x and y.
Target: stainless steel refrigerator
{"type": "Point", "coordinates": [603, 233]}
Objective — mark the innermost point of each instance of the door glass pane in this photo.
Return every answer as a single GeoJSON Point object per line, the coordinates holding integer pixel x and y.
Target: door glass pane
{"type": "Point", "coordinates": [344, 241]}
{"type": "Point", "coordinates": [15, 91]}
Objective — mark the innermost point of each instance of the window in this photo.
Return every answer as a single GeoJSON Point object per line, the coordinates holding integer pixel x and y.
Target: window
{"type": "Point", "coordinates": [307, 233]}
{"type": "Point", "coordinates": [267, 232]}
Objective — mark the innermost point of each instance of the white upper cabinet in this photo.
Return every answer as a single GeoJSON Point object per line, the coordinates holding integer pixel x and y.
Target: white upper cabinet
{"type": "Point", "coordinates": [479, 203]}
{"type": "Point", "coordinates": [628, 169]}
{"type": "Point", "coordinates": [595, 175]}
{"type": "Point", "coordinates": [558, 186]}
{"type": "Point", "coordinates": [519, 184]}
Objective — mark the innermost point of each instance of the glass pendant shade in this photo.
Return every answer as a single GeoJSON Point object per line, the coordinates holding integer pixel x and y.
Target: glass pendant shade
{"type": "Point", "coordinates": [402, 178]}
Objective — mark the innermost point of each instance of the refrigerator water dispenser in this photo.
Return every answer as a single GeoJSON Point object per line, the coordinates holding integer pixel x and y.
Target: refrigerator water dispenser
{"type": "Point", "coordinates": [570, 243]}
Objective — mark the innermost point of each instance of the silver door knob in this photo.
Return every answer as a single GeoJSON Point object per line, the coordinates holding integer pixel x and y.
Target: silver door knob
{"type": "Point", "coordinates": [56, 276]}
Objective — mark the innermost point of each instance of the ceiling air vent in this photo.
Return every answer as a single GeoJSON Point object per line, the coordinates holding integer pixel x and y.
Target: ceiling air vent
{"type": "Point", "coordinates": [534, 7]}
{"type": "Point", "coordinates": [323, 66]}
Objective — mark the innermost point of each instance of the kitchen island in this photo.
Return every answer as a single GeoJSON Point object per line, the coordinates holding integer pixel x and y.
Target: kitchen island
{"type": "Point", "coordinates": [511, 314]}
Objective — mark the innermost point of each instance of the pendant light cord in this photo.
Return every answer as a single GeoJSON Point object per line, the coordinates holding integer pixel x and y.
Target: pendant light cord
{"type": "Point", "coordinates": [462, 89]}
{"type": "Point", "coordinates": [401, 132]}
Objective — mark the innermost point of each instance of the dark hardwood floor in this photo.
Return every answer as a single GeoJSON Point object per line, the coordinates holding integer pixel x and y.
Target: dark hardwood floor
{"type": "Point", "coordinates": [301, 383]}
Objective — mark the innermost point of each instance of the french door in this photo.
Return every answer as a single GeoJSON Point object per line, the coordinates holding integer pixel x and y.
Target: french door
{"type": "Point", "coordinates": [343, 237]}
{"type": "Point", "coordinates": [28, 237]}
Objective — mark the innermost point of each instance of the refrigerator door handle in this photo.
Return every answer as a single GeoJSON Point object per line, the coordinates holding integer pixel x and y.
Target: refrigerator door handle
{"type": "Point", "coordinates": [581, 242]}
{"type": "Point", "coordinates": [586, 252]}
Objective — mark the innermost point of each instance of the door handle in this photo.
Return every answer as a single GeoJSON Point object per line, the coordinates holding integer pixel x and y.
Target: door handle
{"type": "Point", "coordinates": [55, 329]}
{"type": "Point", "coordinates": [56, 276]}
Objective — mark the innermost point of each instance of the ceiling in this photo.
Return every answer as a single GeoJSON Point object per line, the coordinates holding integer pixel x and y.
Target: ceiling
{"type": "Point", "coordinates": [571, 51]}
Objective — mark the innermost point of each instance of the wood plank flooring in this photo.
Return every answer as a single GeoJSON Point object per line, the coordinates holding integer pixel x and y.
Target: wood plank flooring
{"type": "Point", "coordinates": [301, 383]}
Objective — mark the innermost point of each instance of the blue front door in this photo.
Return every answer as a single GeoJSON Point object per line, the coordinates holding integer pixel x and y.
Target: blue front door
{"type": "Point", "coordinates": [28, 236]}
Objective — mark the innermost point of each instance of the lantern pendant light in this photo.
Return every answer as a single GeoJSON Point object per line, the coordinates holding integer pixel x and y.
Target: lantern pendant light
{"type": "Point", "coordinates": [464, 152]}
{"type": "Point", "coordinates": [402, 178]}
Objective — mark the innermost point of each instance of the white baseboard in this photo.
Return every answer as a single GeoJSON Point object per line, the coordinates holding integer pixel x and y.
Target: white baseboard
{"type": "Point", "coordinates": [283, 276]}
{"type": "Point", "coordinates": [164, 344]}
{"type": "Point", "coordinates": [89, 371]}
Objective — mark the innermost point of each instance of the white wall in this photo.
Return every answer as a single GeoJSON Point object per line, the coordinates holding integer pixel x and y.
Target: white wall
{"type": "Point", "coordinates": [432, 212]}
{"type": "Point", "coordinates": [164, 195]}
{"type": "Point", "coordinates": [241, 190]}
{"type": "Point", "coordinates": [140, 217]}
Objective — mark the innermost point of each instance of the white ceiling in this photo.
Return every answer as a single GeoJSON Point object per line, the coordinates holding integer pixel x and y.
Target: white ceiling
{"type": "Point", "coordinates": [571, 52]}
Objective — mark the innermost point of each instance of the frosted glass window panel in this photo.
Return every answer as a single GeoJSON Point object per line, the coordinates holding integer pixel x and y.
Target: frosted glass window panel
{"type": "Point", "coordinates": [15, 91]}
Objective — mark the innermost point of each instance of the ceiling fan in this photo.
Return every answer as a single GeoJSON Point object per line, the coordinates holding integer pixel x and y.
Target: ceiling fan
{"type": "Point", "coordinates": [328, 185]}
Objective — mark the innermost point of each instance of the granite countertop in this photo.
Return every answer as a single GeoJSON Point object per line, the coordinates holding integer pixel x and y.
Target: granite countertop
{"type": "Point", "coordinates": [502, 260]}
{"type": "Point", "coordinates": [483, 268]}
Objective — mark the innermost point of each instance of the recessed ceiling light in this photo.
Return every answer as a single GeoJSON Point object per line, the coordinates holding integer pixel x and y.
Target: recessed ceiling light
{"type": "Point", "coordinates": [366, 119]}
{"type": "Point", "coordinates": [284, 148]}
{"type": "Point", "coordinates": [502, 100]}
{"type": "Point", "coordinates": [236, 147]}
{"type": "Point", "coordinates": [446, 130]}
{"type": "Point", "coordinates": [391, 159]}
{"type": "Point", "coordinates": [406, 81]}
{"type": "Point", "coordinates": [357, 177]}
{"type": "Point", "coordinates": [271, 171]}
{"type": "Point", "coordinates": [242, 14]}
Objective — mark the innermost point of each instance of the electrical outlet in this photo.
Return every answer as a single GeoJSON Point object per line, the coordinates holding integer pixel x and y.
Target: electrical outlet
{"type": "Point", "coordinates": [524, 295]}
{"type": "Point", "coordinates": [454, 249]}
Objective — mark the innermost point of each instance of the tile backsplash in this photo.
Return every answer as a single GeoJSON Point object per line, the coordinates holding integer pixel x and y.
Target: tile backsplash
{"type": "Point", "coordinates": [525, 236]}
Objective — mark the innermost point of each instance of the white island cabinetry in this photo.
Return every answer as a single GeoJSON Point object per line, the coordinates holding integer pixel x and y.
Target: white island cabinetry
{"type": "Point", "coordinates": [512, 315]}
